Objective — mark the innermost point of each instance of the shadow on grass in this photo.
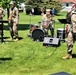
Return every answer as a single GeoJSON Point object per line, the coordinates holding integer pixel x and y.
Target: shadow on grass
{"type": "Point", "coordinates": [74, 55]}
{"type": "Point", "coordinates": [20, 38]}
{"type": "Point", "coordinates": [5, 58]}
{"type": "Point", "coordinates": [7, 39]}
{"type": "Point", "coordinates": [20, 27]}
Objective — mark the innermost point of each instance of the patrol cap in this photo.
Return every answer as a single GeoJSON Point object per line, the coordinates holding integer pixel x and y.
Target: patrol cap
{"type": "Point", "coordinates": [12, 2]}
{"type": "Point", "coordinates": [47, 9]}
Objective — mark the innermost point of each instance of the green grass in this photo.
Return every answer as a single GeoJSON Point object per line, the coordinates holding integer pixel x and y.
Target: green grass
{"type": "Point", "coordinates": [30, 57]}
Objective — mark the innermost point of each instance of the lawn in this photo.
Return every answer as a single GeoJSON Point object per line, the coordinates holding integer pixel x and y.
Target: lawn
{"type": "Point", "coordinates": [27, 57]}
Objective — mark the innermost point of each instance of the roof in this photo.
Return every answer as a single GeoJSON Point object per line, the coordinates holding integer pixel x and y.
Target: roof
{"type": "Point", "coordinates": [73, 1]}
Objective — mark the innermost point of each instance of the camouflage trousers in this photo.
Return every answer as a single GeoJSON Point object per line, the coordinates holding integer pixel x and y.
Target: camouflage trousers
{"type": "Point", "coordinates": [13, 29]}
{"type": "Point", "coordinates": [70, 41]}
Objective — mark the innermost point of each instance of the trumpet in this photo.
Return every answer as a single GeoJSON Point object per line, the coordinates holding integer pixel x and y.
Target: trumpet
{"type": "Point", "coordinates": [10, 17]}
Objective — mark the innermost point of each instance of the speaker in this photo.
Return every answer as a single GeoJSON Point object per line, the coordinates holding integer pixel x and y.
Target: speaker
{"type": "Point", "coordinates": [51, 41]}
{"type": "Point", "coordinates": [61, 33]}
{"type": "Point", "coordinates": [61, 73]}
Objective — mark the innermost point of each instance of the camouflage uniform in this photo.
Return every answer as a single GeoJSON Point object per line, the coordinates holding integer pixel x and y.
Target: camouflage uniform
{"type": "Point", "coordinates": [13, 23]}
{"type": "Point", "coordinates": [72, 33]}
{"type": "Point", "coordinates": [1, 18]}
{"type": "Point", "coordinates": [1, 12]}
{"type": "Point", "coordinates": [49, 24]}
{"type": "Point", "coordinates": [71, 36]}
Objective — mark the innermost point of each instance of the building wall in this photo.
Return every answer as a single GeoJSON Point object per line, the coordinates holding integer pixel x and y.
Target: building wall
{"type": "Point", "coordinates": [66, 6]}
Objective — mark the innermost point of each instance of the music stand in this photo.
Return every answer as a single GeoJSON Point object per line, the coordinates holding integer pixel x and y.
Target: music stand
{"type": "Point", "coordinates": [63, 21]}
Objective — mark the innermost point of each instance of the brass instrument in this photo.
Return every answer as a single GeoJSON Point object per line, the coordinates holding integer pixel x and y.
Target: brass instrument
{"type": "Point", "coordinates": [10, 17]}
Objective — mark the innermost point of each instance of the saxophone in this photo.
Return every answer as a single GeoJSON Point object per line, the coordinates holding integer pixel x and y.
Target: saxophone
{"type": "Point", "coordinates": [10, 17]}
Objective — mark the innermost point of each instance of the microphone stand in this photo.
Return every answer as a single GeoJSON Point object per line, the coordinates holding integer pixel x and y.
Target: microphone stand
{"type": "Point", "coordinates": [30, 18]}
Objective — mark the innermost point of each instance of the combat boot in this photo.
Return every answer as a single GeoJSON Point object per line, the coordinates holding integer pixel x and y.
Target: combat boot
{"type": "Point", "coordinates": [10, 39]}
{"type": "Point", "coordinates": [16, 39]}
{"type": "Point", "coordinates": [69, 56]}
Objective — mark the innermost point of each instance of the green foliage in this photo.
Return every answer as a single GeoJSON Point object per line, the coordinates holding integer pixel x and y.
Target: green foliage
{"type": "Point", "coordinates": [5, 3]}
{"type": "Point", "coordinates": [31, 2]}
{"type": "Point", "coordinates": [52, 4]}
{"type": "Point", "coordinates": [28, 9]}
{"type": "Point", "coordinates": [44, 4]}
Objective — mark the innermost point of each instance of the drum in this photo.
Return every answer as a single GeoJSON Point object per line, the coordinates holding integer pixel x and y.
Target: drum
{"type": "Point", "coordinates": [61, 33]}
{"type": "Point", "coordinates": [33, 27]}
{"type": "Point", "coordinates": [45, 24]}
{"type": "Point", "coordinates": [38, 35]}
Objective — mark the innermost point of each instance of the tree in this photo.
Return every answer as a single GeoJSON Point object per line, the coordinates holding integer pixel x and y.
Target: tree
{"type": "Point", "coordinates": [43, 4]}
{"type": "Point", "coordinates": [5, 4]}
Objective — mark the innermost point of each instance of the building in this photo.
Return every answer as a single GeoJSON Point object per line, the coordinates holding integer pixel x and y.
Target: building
{"type": "Point", "coordinates": [67, 4]}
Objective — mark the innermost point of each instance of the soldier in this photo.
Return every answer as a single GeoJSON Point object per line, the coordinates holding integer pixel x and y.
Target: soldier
{"type": "Point", "coordinates": [1, 12]}
{"type": "Point", "coordinates": [1, 18]}
{"type": "Point", "coordinates": [47, 21]}
{"type": "Point", "coordinates": [71, 36]}
{"type": "Point", "coordinates": [13, 20]}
